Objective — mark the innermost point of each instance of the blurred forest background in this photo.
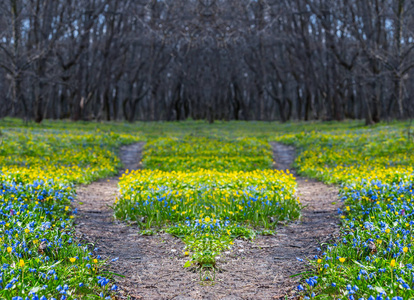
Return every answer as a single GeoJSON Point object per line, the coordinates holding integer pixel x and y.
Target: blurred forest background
{"type": "Point", "coordinates": [207, 59]}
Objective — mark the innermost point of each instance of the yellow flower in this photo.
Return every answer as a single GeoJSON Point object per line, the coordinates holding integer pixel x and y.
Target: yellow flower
{"type": "Point", "coordinates": [95, 261]}
{"type": "Point", "coordinates": [207, 219]}
{"type": "Point", "coordinates": [27, 230]}
{"type": "Point", "coordinates": [9, 249]}
{"type": "Point", "coordinates": [66, 208]}
{"type": "Point", "coordinates": [405, 249]}
{"type": "Point", "coordinates": [342, 259]}
{"type": "Point", "coordinates": [72, 259]}
{"type": "Point", "coordinates": [319, 260]}
{"type": "Point", "coordinates": [387, 230]}
{"type": "Point", "coordinates": [392, 263]}
{"type": "Point", "coordinates": [186, 253]}
{"type": "Point", "coordinates": [21, 263]}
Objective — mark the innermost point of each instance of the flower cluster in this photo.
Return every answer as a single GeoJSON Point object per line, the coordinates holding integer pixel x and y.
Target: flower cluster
{"type": "Point", "coordinates": [81, 157]}
{"type": "Point", "coordinates": [40, 258]}
{"type": "Point", "coordinates": [373, 259]}
{"type": "Point", "coordinates": [158, 196]}
{"type": "Point", "coordinates": [349, 156]}
{"type": "Point", "coordinates": [206, 199]}
{"type": "Point", "coordinates": [212, 153]}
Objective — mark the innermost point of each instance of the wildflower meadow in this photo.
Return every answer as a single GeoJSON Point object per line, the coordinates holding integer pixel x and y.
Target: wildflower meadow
{"type": "Point", "coordinates": [208, 186]}
{"type": "Point", "coordinates": [214, 201]}
{"type": "Point", "coordinates": [41, 258]}
{"type": "Point", "coordinates": [374, 167]}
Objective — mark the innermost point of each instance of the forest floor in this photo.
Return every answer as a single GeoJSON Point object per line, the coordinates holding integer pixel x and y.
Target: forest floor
{"type": "Point", "coordinates": [152, 266]}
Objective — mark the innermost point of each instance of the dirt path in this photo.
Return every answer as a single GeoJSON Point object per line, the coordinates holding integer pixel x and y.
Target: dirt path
{"type": "Point", "coordinates": [152, 266]}
{"type": "Point", "coordinates": [319, 222]}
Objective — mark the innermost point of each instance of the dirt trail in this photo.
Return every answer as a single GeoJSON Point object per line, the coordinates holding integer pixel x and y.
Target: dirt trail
{"type": "Point", "coordinates": [319, 222]}
{"type": "Point", "coordinates": [152, 266]}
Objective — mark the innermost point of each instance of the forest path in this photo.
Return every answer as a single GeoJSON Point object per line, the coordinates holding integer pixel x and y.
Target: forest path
{"type": "Point", "coordinates": [319, 222]}
{"type": "Point", "coordinates": [152, 265]}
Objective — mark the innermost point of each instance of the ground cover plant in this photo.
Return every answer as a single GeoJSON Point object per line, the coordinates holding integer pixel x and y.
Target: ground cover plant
{"type": "Point", "coordinates": [208, 208]}
{"type": "Point", "coordinates": [374, 257]}
{"type": "Point", "coordinates": [343, 156]}
{"type": "Point", "coordinates": [193, 153]}
{"type": "Point", "coordinates": [155, 197]}
{"type": "Point", "coordinates": [40, 256]}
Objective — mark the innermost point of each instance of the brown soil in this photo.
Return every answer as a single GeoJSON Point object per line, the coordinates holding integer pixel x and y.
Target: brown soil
{"type": "Point", "coordinates": [152, 265]}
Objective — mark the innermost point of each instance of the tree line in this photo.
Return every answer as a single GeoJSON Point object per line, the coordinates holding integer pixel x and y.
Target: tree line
{"type": "Point", "coordinates": [207, 59]}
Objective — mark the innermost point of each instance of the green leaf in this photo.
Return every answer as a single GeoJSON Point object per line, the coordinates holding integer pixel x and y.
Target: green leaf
{"type": "Point", "coordinates": [188, 264]}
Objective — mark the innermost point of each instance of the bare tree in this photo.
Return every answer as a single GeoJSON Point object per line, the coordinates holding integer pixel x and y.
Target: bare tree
{"type": "Point", "coordinates": [207, 59]}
